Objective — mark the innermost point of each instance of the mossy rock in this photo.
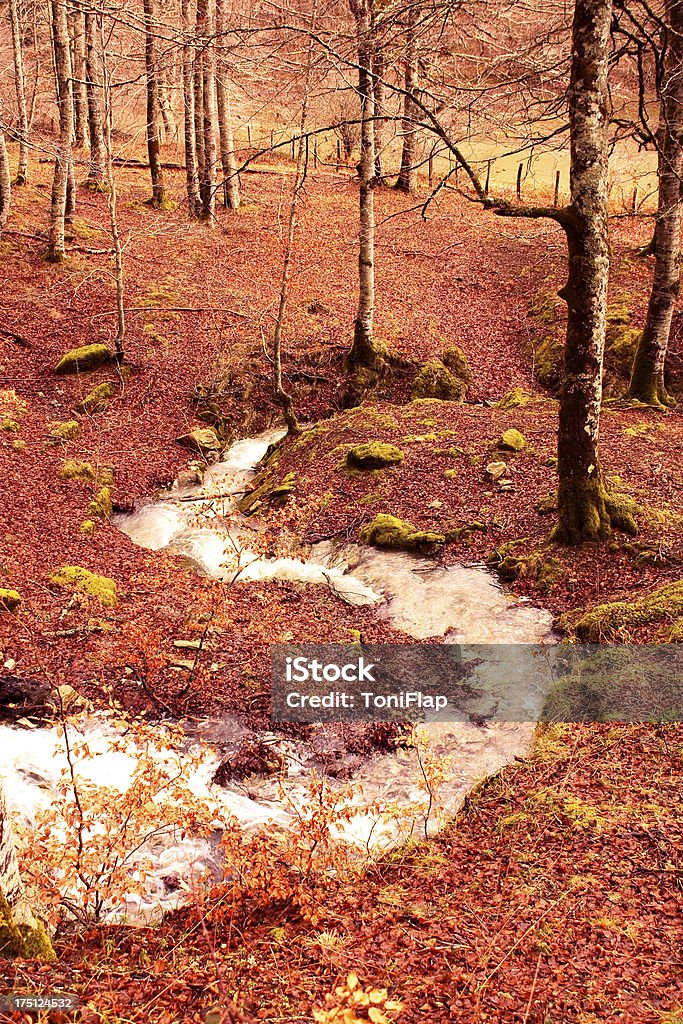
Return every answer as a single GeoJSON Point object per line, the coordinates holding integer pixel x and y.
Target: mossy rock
{"type": "Point", "coordinates": [512, 440]}
{"type": "Point", "coordinates": [9, 599]}
{"type": "Point", "coordinates": [543, 306]}
{"type": "Point", "coordinates": [9, 426]}
{"type": "Point", "coordinates": [74, 469]}
{"type": "Point", "coordinates": [26, 939]}
{"type": "Point", "coordinates": [543, 571]}
{"type": "Point", "coordinates": [202, 440]}
{"type": "Point", "coordinates": [621, 343]}
{"type": "Point", "coordinates": [87, 527]}
{"type": "Point", "coordinates": [515, 399]}
{"type": "Point", "coordinates": [101, 504]}
{"type": "Point", "coordinates": [547, 353]}
{"type": "Point", "coordinates": [617, 620]}
{"type": "Point", "coordinates": [435, 380]}
{"type": "Point", "coordinates": [267, 493]}
{"type": "Point", "coordinates": [96, 400]}
{"type": "Point", "coordinates": [87, 357]}
{"type": "Point", "coordinates": [455, 360]}
{"type": "Point", "coordinates": [64, 430]}
{"type": "Point", "coordinates": [77, 578]}
{"type": "Point", "coordinates": [547, 504]}
{"type": "Point", "coordinates": [374, 455]}
{"type": "Point", "coordinates": [386, 531]}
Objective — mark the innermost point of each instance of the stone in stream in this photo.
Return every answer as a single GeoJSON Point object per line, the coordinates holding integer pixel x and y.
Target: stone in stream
{"type": "Point", "coordinates": [252, 757]}
{"type": "Point", "coordinates": [202, 439]}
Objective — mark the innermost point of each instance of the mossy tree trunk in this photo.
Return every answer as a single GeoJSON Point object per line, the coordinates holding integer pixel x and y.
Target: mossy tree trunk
{"type": "Point", "coordinates": [364, 353]}
{"type": "Point", "coordinates": [21, 934]}
{"type": "Point", "coordinates": [189, 136]}
{"type": "Point", "coordinates": [93, 88]}
{"type": "Point", "coordinates": [647, 375]}
{"type": "Point", "coordinates": [583, 503]}
{"type": "Point", "coordinates": [152, 90]}
{"type": "Point", "coordinates": [20, 89]}
{"type": "Point", "coordinates": [407, 175]}
{"type": "Point", "coordinates": [60, 36]}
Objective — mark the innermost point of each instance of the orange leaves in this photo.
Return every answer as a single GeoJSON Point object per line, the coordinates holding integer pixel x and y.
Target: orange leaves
{"type": "Point", "coordinates": [351, 1003]}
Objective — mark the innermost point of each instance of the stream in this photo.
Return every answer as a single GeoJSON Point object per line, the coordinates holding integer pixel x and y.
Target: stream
{"type": "Point", "coordinates": [462, 604]}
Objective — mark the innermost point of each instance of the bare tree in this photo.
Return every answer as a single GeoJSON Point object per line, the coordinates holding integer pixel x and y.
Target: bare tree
{"type": "Point", "coordinates": [647, 375]}
{"type": "Point", "coordinates": [93, 92]}
{"type": "Point", "coordinates": [407, 175]}
{"type": "Point", "coordinates": [225, 128]}
{"type": "Point", "coordinates": [152, 89]}
{"type": "Point", "coordinates": [189, 135]}
{"type": "Point", "coordinates": [5, 183]}
{"type": "Point", "coordinates": [60, 36]}
{"type": "Point", "coordinates": [80, 98]}
{"type": "Point", "coordinates": [112, 201]}
{"type": "Point", "coordinates": [207, 168]}
{"type": "Point", "coordinates": [20, 89]}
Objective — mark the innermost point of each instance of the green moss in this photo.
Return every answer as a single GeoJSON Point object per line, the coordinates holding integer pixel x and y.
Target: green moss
{"type": "Point", "coordinates": [619, 310]}
{"type": "Point", "coordinates": [515, 399]}
{"type": "Point", "coordinates": [456, 361]}
{"type": "Point", "coordinates": [87, 357]}
{"type": "Point", "coordinates": [387, 531]}
{"type": "Point", "coordinates": [543, 306]}
{"type": "Point", "coordinates": [77, 578]}
{"type": "Point", "coordinates": [374, 455]}
{"type": "Point", "coordinates": [536, 566]}
{"type": "Point", "coordinates": [65, 430]}
{"type": "Point", "coordinates": [101, 505]}
{"type": "Point", "coordinates": [29, 941]}
{"type": "Point", "coordinates": [548, 354]}
{"type": "Point", "coordinates": [201, 439]}
{"type": "Point", "coordinates": [512, 440]}
{"type": "Point", "coordinates": [9, 599]}
{"type": "Point", "coordinates": [18, 446]}
{"type": "Point", "coordinates": [547, 504]}
{"type": "Point", "coordinates": [267, 491]}
{"type": "Point", "coordinates": [435, 380]}
{"type": "Point", "coordinates": [96, 400]}
{"type": "Point", "coordinates": [73, 469]}
{"type": "Point", "coordinates": [623, 512]}
{"type": "Point", "coordinates": [87, 527]}
{"type": "Point", "coordinates": [450, 474]}
{"type": "Point", "coordinates": [621, 344]}
{"type": "Point", "coordinates": [9, 425]}
{"type": "Point", "coordinates": [616, 620]}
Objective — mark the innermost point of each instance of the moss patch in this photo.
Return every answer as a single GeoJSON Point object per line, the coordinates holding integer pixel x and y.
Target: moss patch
{"type": "Point", "coordinates": [544, 570]}
{"type": "Point", "coordinates": [201, 439]}
{"type": "Point", "coordinates": [101, 505]}
{"type": "Point", "coordinates": [616, 620]}
{"type": "Point", "coordinates": [87, 357]}
{"type": "Point", "coordinates": [73, 469]}
{"type": "Point", "coordinates": [77, 578]}
{"type": "Point", "coordinates": [515, 399]}
{"type": "Point", "coordinates": [96, 400]}
{"type": "Point", "coordinates": [64, 430]}
{"type": "Point", "coordinates": [29, 941]}
{"type": "Point", "coordinates": [512, 440]}
{"type": "Point", "coordinates": [435, 380]}
{"type": "Point", "coordinates": [386, 531]}
{"type": "Point", "coordinates": [9, 599]}
{"type": "Point", "coordinates": [374, 455]}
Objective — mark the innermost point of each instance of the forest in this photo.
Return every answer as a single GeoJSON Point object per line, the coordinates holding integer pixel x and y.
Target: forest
{"type": "Point", "coordinates": [343, 329]}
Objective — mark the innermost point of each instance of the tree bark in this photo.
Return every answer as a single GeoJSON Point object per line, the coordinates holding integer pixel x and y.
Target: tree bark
{"type": "Point", "coordinates": [583, 504]}
{"type": "Point", "coordinates": [363, 352]}
{"type": "Point", "coordinates": [207, 169]}
{"type": "Point", "coordinates": [21, 934]}
{"type": "Point", "coordinates": [166, 108]}
{"type": "Point", "coordinates": [189, 137]}
{"type": "Point", "coordinates": [153, 143]}
{"type": "Point", "coordinates": [95, 117]}
{"type": "Point", "coordinates": [60, 34]}
{"type": "Point", "coordinates": [199, 115]}
{"type": "Point", "coordinates": [5, 183]}
{"type": "Point", "coordinates": [379, 70]}
{"type": "Point", "coordinates": [407, 175]}
{"type": "Point", "coordinates": [20, 89]}
{"type": "Point", "coordinates": [647, 376]}
{"type": "Point", "coordinates": [77, 27]}
{"type": "Point", "coordinates": [225, 129]}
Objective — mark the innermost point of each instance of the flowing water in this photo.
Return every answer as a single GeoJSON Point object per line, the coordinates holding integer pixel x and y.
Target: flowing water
{"type": "Point", "coordinates": [418, 597]}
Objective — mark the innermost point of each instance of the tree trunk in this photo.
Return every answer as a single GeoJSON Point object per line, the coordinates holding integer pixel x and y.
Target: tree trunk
{"type": "Point", "coordinates": [5, 183]}
{"type": "Point", "coordinates": [21, 934]}
{"type": "Point", "coordinates": [199, 116]}
{"type": "Point", "coordinates": [70, 205]}
{"type": "Point", "coordinates": [191, 176]}
{"type": "Point", "coordinates": [207, 169]}
{"type": "Point", "coordinates": [583, 504]}
{"type": "Point", "coordinates": [20, 88]}
{"type": "Point", "coordinates": [379, 69]}
{"type": "Point", "coordinates": [407, 176]}
{"type": "Point", "coordinates": [225, 129]}
{"type": "Point", "coordinates": [364, 352]}
{"type": "Point", "coordinates": [153, 144]}
{"type": "Point", "coordinates": [60, 35]}
{"type": "Point", "coordinates": [166, 109]}
{"type": "Point", "coordinates": [647, 375]}
{"type": "Point", "coordinates": [93, 91]}
{"type": "Point", "coordinates": [79, 74]}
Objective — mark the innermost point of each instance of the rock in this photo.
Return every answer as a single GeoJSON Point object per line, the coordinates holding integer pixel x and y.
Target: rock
{"type": "Point", "coordinates": [374, 455]}
{"type": "Point", "coordinates": [87, 357]}
{"type": "Point", "coordinates": [24, 696]}
{"type": "Point", "coordinates": [389, 532]}
{"type": "Point", "coordinates": [64, 430]}
{"type": "Point", "coordinates": [456, 361]}
{"type": "Point", "coordinates": [96, 400]}
{"type": "Point", "coordinates": [514, 399]}
{"type": "Point", "coordinates": [252, 757]}
{"type": "Point", "coordinates": [74, 469]}
{"type": "Point", "coordinates": [318, 309]}
{"type": "Point", "coordinates": [435, 380]}
{"type": "Point", "coordinates": [188, 480]}
{"type": "Point", "coordinates": [201, 439]}
{"type": "Point", "coordinates": [101, 506]}
{"type": "Point", "coordinates": [9, 599]}
{"type": "Point", "coordinates": [496, 470]}
{"type": "Point", "coordinates": [77, 578]}
{"type": "Point", "coordinates": [512, 440]}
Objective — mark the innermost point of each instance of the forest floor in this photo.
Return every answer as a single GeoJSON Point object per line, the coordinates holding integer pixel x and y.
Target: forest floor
{"type": "Point", "coordinates": [555, 896]}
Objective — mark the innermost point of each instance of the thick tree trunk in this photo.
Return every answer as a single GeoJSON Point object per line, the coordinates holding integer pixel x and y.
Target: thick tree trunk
{"type": "Point", "coordinates": [60, 35]}
{"type": "Point", "coordinates": [647, 375]}
{"type": "Point", "coordinates": [363, 352]}
{"type": "Point", "coordinates": [77, 27]}
{"type": "Point", "coordinates": [20, 88]}
{"type": "Point", "coordinates": [199, 115]}
{"type": "Point", "coordinates": [207, 169]}
{"type": "Point", "coordinates": [21, 934]}
{"type": "Point", "coordinates": [583, 503]}
{"type": "Point", "coordinates": [191, 176]}
{"type": "Point", "coordinates": [153, 143]}
{"type": "Point", "coordinates": [5, 183]}
{"type": "Point", "coordinates": [95, 117]}
{"type": "Point", "coordinates": [225, 129]}
{"type": "Point", "coordinates": [407, 175]}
